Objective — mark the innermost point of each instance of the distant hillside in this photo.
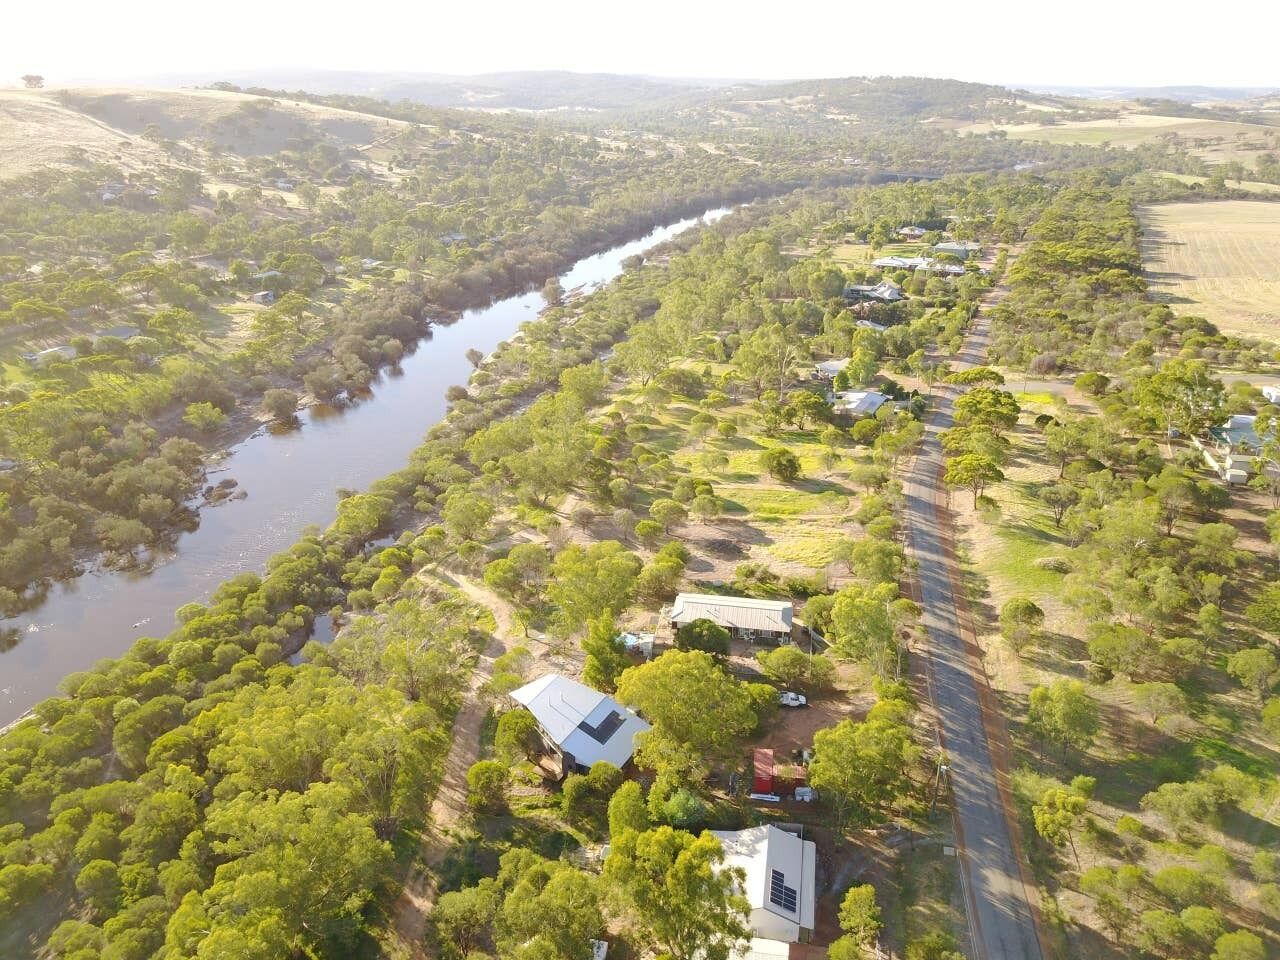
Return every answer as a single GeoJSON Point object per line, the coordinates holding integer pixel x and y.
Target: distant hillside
{"type": "Point", "coordinates": [882, 98]}
{"type": "Point", "coordinates": [867, 98]}
{"type": "Point", "coordinates": [539, 91]}
{"type": "Point", "coordinates": [824, 108]}
{"type": "Point", "coordinates": [519, 90]}
{"type": "Point", "coordinates": [245, 124]}
{"type": "Point", "coordinates": [1184, 94]}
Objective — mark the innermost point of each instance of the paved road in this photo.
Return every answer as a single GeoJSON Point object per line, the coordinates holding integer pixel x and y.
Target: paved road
{"type": "Point", "coordinates": [1000, 916]}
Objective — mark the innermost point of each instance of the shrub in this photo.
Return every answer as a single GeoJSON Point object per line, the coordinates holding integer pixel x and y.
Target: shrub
{"type": "Point", "coordinates": [703, 634]}
{"type": "Point", "coordinates": [1184, 886]}
{"type": "Point", "coordinates": [790, 666]}
{"type": "Point", "coordinates": [517, 735]}
{"type": "Point", "coordinates": [937, 945]}
{"type": "Point", "coordinates": [649, 532]}
{"type": "Point", "coordinates": [781, 464]}
{"type": "Point", "coordinates": [204, 417]}
{"type": "Point", "coordinates": [685, 810]}
{"type": "Point", "coordinates": [487, 783]}
{"type": "Point", "coordinates": [281, 404]}
{"type": "Point", "coordinates": [1094, 384]}
{"type": "Point", "coordinates": [1020, 621]}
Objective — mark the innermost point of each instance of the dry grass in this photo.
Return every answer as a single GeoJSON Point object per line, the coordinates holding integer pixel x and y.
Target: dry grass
{"type": "Point", "coordinates": [37, 132]}
{"type": "Point", "coordinates": [1249, 186]}
{"type": "Point", "coordinates": [1213, 140]}
{"type": "Point", "coordinates": [72, 127]}
{"type": "Point", "coordinates": [242, 123]}
{"type": "Point", "coordinates": [1217, 260]}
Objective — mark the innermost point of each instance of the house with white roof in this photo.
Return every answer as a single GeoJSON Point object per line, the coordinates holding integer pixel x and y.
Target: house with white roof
{"type": "Point", "coordinates": [928, 264]}
{"type": "Point", "coordinates": [746, 618]}
{"type": "Point", "coordinates": [1233, 449]}
{"type": "Point", "coordinates": [856, 404]}
{"type": "Point", "coordinates": [579, 725]}
{"type": "Point", "coordinates": [43, 358]}
{"type": "Point", "coordinates": [827, 369]}
{"type": "Point", "coordinates": [1271, 393]}
{"type": "Point", "coordinates": [886, 291]}
{"type": "Point", "coordinates": [781, 880]}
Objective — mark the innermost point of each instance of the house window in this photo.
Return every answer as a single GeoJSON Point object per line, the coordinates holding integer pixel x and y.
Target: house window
{"type": "Point", "coordinates": [780, 894]}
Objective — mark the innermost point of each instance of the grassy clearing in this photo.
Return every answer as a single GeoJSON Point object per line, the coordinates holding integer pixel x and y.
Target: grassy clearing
{"type": "Point", "coordinates": [931, 896]}
{"type": "Point", "coordinates": [1042, 398]}
{"type": "Point", "coordinates": [1217, 260]}
{"type": "Point", "coordinates": [764, 503]}
{"type": "Point", "coordinates": [814, 550]}
{"type": "Point", "coordinates": [861, 254]}
{"type": "Point", "coordinates": [793, 528]}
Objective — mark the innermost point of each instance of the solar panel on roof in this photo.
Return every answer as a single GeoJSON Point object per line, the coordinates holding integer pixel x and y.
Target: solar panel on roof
{"type": "Point", "coordinates": [780, 894]}
{"type": "Point", "coordinates": [605, 729]}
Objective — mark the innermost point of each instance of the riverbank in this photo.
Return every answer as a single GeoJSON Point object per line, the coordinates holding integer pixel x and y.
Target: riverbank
{"type": "Point", "coordinates": [431, 309]}
{"type": "Point", "coordinates": [291, 481]}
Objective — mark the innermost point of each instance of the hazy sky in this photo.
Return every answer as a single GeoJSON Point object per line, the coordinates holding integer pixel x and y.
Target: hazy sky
{"type": "Point", "coordinates": [1088, 42]}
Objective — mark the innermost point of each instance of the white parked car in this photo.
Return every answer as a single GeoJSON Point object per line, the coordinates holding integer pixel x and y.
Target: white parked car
{"type": "Point", "coordinates": [789, 699]}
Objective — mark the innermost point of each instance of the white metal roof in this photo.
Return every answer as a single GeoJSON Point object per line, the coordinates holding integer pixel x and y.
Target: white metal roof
{"type": "Point", "coordinates": [763, 851]}
{"type": "Point", "coordinates": [743, 613]}
{"type": "Point", "coordinates": [860, 402]}
{"type": "Point", "coordinates": [829, 368]}
{"type": "Point", "coordinates": [584, 723]}
{"type": "Point", "coordinates": [760, 948]}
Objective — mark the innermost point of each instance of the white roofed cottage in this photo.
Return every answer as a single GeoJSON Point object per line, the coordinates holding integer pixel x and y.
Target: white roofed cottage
{"type": "Point", "coordinates": [580, 726]}
{"type": "Point", "coordinates": [856, 404]}
{"type": "Point", "coordinates": [828, 369]}
{"type": "Point", "coordinates": [781, 879]}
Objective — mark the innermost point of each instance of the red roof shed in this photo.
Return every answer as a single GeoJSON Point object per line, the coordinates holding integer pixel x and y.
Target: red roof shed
{"type": "Point", "coordinates": [762, 780]}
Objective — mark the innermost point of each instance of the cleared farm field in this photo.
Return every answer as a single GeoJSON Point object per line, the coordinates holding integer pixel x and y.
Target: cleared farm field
{"type": "Point", "coordinates": [1249, 186]}
{"type": "Point", "coordinates": [1217, 260]}
{"type": "Point", "coordinates": [1213, 140]}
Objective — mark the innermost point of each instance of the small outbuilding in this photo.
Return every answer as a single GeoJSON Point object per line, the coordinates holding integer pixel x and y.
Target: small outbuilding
{"type": "Point", "coordinates": [638, 644]}
{"type": "Point", "coordinates": [264, 297]}
{"type": "Point", "coordinates": [961, 249]}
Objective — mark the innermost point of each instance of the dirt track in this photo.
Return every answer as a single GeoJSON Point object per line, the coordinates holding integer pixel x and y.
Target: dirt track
{"type": "Point", "coordinates": [450, 803]}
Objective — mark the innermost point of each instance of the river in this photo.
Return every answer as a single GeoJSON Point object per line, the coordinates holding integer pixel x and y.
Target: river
{"type": "Point", "coordinates": [291, 480]}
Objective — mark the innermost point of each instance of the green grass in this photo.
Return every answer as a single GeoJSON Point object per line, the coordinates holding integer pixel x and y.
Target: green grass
{"type": "Point", "coordinates": [1043, 397]}
{"type": "Point", "coordinates": [812, 550]}
{"type": "Point", "coordinates": [928, 882]}
{"type": "Point", "coordinates": [1020, 547]}
{"type": "Point", "coordinates": [764, 503]}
